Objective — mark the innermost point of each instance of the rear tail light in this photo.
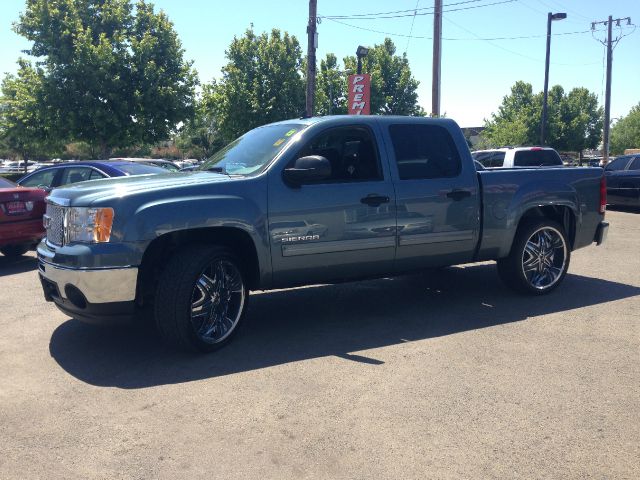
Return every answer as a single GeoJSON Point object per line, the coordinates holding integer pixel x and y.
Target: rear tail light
{"type": "Point", "coordinates": [603, 195]}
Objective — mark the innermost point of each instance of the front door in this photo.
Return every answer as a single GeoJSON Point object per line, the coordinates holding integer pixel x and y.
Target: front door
{"type": "Point", "coordinates": [341, 228]}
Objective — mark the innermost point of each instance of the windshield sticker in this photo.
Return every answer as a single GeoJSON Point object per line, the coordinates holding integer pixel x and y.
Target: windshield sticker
{"type": "Point", "coordinates": [278, 142]}
{"type": "Point", "coordinates": [290, 132]}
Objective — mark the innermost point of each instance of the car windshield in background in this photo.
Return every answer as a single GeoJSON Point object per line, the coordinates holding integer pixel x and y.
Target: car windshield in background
{"type": "Point", "coordinates": [4, 183]}
{"type": "Point", "coordinates": [253, 150]}
{"type": "Point", "coordinates": [139, 168]}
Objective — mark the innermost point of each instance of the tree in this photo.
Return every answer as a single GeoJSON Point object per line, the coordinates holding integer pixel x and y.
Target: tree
{"type": "Point", "coordinates": [331, 88]}
{"type": "Point", "coordinates": [23, 119]}
{"type": "Point", "coordinates": [626, 132]}
{"type": "Point", "coordinates": [200, 136]}
{"type": "Point", "coordinates": [262, 83]}
{"type": "Point", "coordinates": [393, 88]}
{"type": "Point", "coordinates": [113, 75]}
{"type": "Point", "coordinates": [574, 120]}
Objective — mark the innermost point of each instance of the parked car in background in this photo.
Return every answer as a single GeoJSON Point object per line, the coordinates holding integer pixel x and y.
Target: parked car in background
{"type": "Point", "coordinates": [21, 211]}
{"type": "Point", "coordinates": [623, 181]}
{"type": "Point", "coordinates": [18, 167]}
{"type": "Point", "coordinates": [509, 157]}
{"type": "Point", "coordinates": [48, 178]}
{"type": "Point", "coordinates": [166, 164]}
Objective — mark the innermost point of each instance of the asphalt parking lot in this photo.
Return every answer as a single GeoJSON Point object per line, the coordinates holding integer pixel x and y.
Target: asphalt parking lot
{"type": "Point", "coordinates": [441, 375]}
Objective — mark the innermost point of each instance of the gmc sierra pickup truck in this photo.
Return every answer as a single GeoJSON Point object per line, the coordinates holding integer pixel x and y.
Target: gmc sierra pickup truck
{"type": "Point", "coordinates": [306, 201]}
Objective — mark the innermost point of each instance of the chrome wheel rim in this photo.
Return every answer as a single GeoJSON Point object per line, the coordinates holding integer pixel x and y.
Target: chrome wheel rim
{"type": "Point", "coordinates": [217, 301]}
{"type": "Point", "coordinates": [544, 258]}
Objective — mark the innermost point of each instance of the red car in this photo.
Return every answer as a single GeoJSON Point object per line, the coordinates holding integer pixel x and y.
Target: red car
{"type": "Point", "coordinates": [21, 211]}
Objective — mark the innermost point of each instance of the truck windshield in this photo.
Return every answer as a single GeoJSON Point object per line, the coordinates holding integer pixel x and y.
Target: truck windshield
{"type": "Point", "coordinates": [253, 150]}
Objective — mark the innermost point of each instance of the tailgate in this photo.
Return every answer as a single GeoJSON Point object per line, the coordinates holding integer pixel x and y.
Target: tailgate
{"type": "Point", "coordinates": [21, 204]}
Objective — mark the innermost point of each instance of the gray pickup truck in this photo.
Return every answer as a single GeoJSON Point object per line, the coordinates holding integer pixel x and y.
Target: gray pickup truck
{"type": "Point", "coordinates": [306, 201]}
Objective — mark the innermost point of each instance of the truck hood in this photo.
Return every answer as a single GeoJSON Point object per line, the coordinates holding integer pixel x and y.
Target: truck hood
{"type": "Point", "coordinates": [118, 188]}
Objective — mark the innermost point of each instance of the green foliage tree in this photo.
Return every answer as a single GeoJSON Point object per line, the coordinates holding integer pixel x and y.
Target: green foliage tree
{"type": "Point", "coordinates": [200, 136]}
{"type": "Point", "coordinates": [626, 132]}
{"type": "Point", "coordinates": [23, 118]}
{"type": "Point", "coordinates": [261, 83]}
{"type": "Point", "coordinates": [331, 88]}
{"type": "Point", "coordinates": [574, 119]}
{"type": "Point", "coordinates": [393, 88]}
{"type": "Point", "coordinates": [113, 74]}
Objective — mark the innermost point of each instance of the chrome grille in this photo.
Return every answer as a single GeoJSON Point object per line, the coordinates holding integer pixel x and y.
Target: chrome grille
{"type": "Point", "coordinates": [54, 223]}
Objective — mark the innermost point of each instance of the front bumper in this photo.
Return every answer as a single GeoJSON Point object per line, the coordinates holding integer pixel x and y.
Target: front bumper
{"type": "Point", "coordinates": [601, 233]}
{"type": "Point", "coordinates": [99, 295]}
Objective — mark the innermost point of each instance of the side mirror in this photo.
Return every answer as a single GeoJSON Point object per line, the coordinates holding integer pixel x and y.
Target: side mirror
{"type": "Point", "coordinates": [310, 169]}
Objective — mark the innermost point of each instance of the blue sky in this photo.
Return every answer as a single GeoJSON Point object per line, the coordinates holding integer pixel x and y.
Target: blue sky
{"type": "Point", "coordinates": [476, 73]}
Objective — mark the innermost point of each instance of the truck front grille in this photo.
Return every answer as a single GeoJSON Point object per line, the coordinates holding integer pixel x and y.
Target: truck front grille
{"type": "Point", "coordinates": [54, 223]}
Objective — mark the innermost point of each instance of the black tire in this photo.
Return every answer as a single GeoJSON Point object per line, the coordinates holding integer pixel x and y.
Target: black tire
{"type": "Point", "coordinates": [181, 286]}
{"type": "Point", "coordinates": [536, 272]}
{"type": "Point", "coordinates": [13, 251]}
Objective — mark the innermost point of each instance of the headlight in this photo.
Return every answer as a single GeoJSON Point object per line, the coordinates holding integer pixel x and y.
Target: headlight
{"type": "Point", "coordinates": [89, 225]}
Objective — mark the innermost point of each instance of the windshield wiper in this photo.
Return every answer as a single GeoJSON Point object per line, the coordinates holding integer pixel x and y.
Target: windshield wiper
{"type": "Point", "coordinates": [216, 169]}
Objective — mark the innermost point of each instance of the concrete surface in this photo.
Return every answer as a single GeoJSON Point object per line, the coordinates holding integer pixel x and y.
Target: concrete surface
{"type": "Point", "coordinates": [443, 375]}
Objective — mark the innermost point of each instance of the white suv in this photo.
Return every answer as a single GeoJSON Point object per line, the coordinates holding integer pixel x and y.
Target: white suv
{"type": "Point", "coordinates": [509, 157]}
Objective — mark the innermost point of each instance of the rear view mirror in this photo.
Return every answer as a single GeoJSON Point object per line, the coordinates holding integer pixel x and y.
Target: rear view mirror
{"type": "Point", "coordinates": [309, 169]}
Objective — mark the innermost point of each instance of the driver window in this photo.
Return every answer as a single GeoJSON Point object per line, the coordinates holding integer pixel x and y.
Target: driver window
{"type": "Point", "coordinates": [40, 179]}
{"type": "Point", "coordinates": [351, 152]}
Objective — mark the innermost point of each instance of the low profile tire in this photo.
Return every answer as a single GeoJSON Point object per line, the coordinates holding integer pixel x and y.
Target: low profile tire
{"type": "Point", "coordinates": [201, 298]}
{"type": "Point", "coordinates": [539, 258]}
{"type": "Point", "coordinates": [13, 251]}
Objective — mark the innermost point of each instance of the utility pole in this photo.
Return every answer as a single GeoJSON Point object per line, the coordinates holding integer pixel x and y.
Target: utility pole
{"type": "Point", "coordinates": [607, 96]}
{"type": "Point", "coordinates": [312, 44]}
{"type": "Point", "coordinates": [550, 18]}
{"type": "Point", "coordinates": [437, 60]}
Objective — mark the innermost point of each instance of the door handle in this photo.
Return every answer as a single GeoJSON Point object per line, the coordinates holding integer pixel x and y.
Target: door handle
{"type": "Point", "coordinates": [457, 194]}
{"type": "Point", "coordinates": [374, 200]}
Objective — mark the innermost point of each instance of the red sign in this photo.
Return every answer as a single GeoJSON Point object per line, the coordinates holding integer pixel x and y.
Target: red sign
{"type": "Point", "coordinates": [359, 94]}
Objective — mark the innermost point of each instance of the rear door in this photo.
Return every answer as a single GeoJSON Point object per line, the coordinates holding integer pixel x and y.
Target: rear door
{"type": "Point", "coordinates": [436, 193]}
{"type": "Point", "coordinates": [341, 228]}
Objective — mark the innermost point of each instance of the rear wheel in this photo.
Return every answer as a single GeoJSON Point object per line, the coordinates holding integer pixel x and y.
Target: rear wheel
{"type": "Point", "coordinates": [539, 258]}
{"type": "Point", "coordinates": [200, 299]}
{"type": "Point", "coordinates": [14, 250]}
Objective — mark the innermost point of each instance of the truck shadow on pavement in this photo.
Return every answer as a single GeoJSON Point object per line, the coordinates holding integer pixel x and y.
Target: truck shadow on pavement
{"type": "Point", "coordinates": [300, 324]}
{"type": "Point", "coordinates": [11, 266]}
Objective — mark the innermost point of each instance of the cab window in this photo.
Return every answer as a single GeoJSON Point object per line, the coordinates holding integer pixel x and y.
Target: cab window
{"type": "Point", "coordinates": [351, 151]}
{"type": "Point", "coordinates": [424, 151]}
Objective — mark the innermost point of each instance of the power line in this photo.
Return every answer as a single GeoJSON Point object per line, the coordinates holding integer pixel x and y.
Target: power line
{"type": "Point", "coordinates": [402, 11]}
{"type": "Point", "coordinates": [422, 37]}
{"type": "Point", "coordinates": [357, 17]}
{"type": "Point", "coordinates": [413, 20]}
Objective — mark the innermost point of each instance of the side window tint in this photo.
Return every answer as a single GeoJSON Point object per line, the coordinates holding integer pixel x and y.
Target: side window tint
{"type": "Point", "coordinates": [424, 151]}
{"type": "Point", "coordinates": [40, 179]}
{"type": "Point", "coordinates": [351, 152]}
{"type": "Point", "coordinates": [618, 164]}
{"type": "Point", "coordinates": [497, 159]}
{"type": "Point", "coordinates": [75, 175]}
{"type": "Point", "coordinates": [94, 175]}
{"type": "Point", "coordinates": [635, 165]}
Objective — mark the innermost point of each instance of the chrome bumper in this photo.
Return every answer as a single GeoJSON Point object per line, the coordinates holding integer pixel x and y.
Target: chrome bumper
{"type": "Point", "coordinates": [104, 285]}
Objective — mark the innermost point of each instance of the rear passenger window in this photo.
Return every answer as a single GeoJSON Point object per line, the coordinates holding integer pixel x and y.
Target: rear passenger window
{"type": "Point", "coordinates": [536, 158]}
{"type": "Point", "coordinates": [635, 165]}
{"type": "Point", "coordinates": [424, 151]}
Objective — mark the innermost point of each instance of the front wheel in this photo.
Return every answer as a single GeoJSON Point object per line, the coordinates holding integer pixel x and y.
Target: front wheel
{"type": "Point", "coordinates": [539, 258]}
{"type": "Point", "coordinates": [201, 298]}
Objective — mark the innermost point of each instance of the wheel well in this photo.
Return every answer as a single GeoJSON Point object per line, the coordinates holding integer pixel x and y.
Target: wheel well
{"type": "Point", "coordinates": [558, 213]}
{"type": "Point", "coordinates": [160, 249]}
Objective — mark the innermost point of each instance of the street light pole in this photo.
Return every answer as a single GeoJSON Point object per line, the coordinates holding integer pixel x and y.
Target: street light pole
{"type": "Point", "coordinates": [550, 18]}
{"type": "Point", "coordinates": [361, 52]}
